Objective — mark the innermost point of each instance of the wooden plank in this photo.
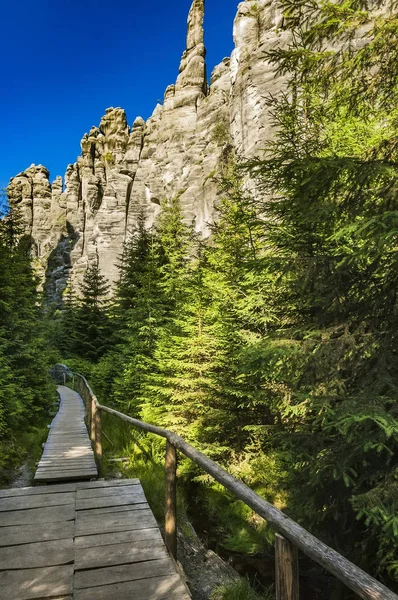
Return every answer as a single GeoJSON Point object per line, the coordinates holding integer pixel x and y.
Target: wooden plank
{"type": "Point", "coordinates": [120, 573]}
{"type": "Point", "coordinates": [41, 554]}
{"type": "Point", "coordinates": [31, 584]}
{"type": "Point", "coordinates": [169, 587]}
{"type": "Point", "coordinates": [106, 501]}
{"type": "Point", "coordinates": [108, 491]}
{"type": "Point", "coordinates": [37, 501]}
{"type": "Point", "coordinates": [66, 466]}
{"type": "Point", "coordinates": [123, 521]}
{"type": "Point", "coordinates": [115, 509]}
{"type": "Point", "coordinates": [105, 539]}
{"type": "Point", "coordinates": [33, 516]}
{"type": "Point", "coordinates": [54, 476]}
{"type": "Point", "coordinates": [65, 476]}
{"type": "Point", "coordinates": [37, 490]}
{"type": "Point", "coordinates": [51, 459]}
{"type": "Point", "coordinates": [68, 454]}
{"type": "Point", "coordinates": [72, 471]}
{"type": "Point", "coordinates": [118, 554]}
{"type": "Point", "coordinates": [24, 534]}
{"type": "Point", "coordinates": [104, 484]}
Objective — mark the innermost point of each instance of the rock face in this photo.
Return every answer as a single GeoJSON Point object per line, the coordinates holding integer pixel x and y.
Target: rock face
{"type": "Point", "coordinates": [123, 170]}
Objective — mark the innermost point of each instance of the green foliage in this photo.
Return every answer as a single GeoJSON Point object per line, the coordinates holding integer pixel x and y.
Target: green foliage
{"type": "Point", "coordinates": [332, 207]}
{"type": "Point", "coordinates": [145, 461]}
{"type": "Point", "coordinates": [220, 134]}
{"type": "Point", "coordinates": [84, 329]}
{"type": "Point", "coordinates": [240, 590]}
{"type": "Point", "coordinates": [25, 389]}
{"type": "Point", "coordinates": [109, 158]}
{"type": "Point", "coordinates": [233, 525]}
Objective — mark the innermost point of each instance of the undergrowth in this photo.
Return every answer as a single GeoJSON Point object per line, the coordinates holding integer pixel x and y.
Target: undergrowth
{"type": "Point", "coordinates": [24, 448]}
{"type": "Point", "coordinates": [241, 590]}
{"type": "Point", "coordinates": [144, 459]}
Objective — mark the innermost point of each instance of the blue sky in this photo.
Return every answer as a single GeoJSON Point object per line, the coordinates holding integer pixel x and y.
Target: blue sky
{"type": "Point", "coordinates": [65, 61]}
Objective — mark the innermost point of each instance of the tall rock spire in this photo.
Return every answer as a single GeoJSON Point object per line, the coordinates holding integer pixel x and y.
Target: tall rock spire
{"type": "Point", "coordinates": [193, 74]}
{"type": "Point", "coordinates": [196, 35]}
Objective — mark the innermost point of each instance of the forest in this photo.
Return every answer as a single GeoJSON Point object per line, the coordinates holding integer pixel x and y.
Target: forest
{"type": "Point", "coordinates": [272, 345]}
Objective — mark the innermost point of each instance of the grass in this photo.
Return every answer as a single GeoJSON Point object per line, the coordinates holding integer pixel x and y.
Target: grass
{"type": "Point", "coordinates": [241, 590]}
{"type": "Point", "coordinates": [145, 461]}
{"type": "Point", "coordinates": [26, 448]}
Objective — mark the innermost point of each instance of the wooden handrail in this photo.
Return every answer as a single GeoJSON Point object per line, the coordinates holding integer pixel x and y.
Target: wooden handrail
{"type": "Point", "coordinates": [293, 534]}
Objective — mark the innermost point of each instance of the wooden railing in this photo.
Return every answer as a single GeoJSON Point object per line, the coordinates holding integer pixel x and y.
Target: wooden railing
{"type": "Point", "coordinates": [290, 536]}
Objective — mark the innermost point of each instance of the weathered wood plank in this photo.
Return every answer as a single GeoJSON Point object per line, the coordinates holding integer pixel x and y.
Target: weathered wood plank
{"type": "Point", "coordinates": [115, 509]}
{"type": "Point", "coordinates": [128, 499]}
{"type": "Point", "coordinates": [105, 539]}
{"type": "Point", "coordinates": [42, 489]}
{"type": "Point", "coordinates": [65, 466]}
{"type": "Point", "coordinates": [65, 476]}
{"type": "Point", "coordinates": [119, 554]}
{"type": "Point", "coordinates": [122, 521]}
{"type": "Point", "coordinates": [37, 501]}
{"type": "Point", "coordinates": [68, 454]}
{"type": "Point", "coordinates": [104, 484]}
{"type": "Point", "coordinates": [31, 584]}
{"type": "Point", "coordinates": [78, 475]}
{"type": "Point", "coordinates": [169, 587]}
{"type": "Point", "coordinates": [100, 492]}
{"type": "Point", "coordinates": [33, 516]}
{"type": "Point", "coordinates": [120, 573]}
{"type": "Point", "coordinates": [25, 534]}
{"type": "Point", "coordinates": [41, 554]}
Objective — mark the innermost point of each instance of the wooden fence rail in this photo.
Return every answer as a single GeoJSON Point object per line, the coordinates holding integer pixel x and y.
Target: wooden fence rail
{"type": "Point", "coordinates": [290, 535]}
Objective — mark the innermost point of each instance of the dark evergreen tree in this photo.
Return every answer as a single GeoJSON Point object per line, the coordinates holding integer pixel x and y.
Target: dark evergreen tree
{"type": "Point", "coordinates": [132, 266]}
{"type": "Point", "coordinates": [25, 389]}
{"type": "Point", "coordinates": [92, 324]}
{"type": "Point", "coordinates": [158, 287]}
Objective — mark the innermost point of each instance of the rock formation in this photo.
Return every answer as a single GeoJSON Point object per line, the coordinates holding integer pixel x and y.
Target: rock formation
{"type": "Point", "coordinates": [123, 170]}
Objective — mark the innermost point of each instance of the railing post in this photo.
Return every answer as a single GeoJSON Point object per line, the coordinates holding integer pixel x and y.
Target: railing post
{"type": "Point", "coordinates": [89, 408]}
{"type": "Point", "coordinates": [98, 439]}
{"type": "Point", "coordinates": [96, 433]}
{"type": "Point", "coordinates": [64, 378]}
{"type": "Point", "coordinates": [92, 423]}
{"type": "Point", "coordinates": [286, 569]}
{"type": "Point", "coordinates": [171, 499]}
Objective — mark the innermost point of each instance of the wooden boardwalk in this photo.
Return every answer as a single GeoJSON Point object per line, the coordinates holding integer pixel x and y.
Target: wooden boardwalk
{"type": "Point", "coordinates": [94, 540]}
{"type": "Point", "coordinates": [81, 540]}
{"type": "Point", "coordinates": [67, 455]}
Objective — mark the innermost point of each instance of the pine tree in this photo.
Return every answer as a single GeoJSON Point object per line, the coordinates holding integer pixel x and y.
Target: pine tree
{"type": "Point", "coordinates": [25, 390]}
{"type": "Point", "coordinates": [93, 329]}
{"type": "Point", "coordinates": [132, 266]}
{"type": "Point", "coordinates": [161, 286]}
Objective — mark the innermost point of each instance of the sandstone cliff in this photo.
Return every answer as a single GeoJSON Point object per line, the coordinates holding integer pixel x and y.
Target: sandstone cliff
{"type": "Point", "coordinates": [179, 150]}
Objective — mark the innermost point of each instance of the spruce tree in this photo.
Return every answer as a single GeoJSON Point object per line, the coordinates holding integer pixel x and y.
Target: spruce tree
{"type": "Point", "coordinates": [132, 266]}
{"type": "Point", "coordinates": [25, 389]}
{"type": "Point", "coordinates": [92, 324]}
